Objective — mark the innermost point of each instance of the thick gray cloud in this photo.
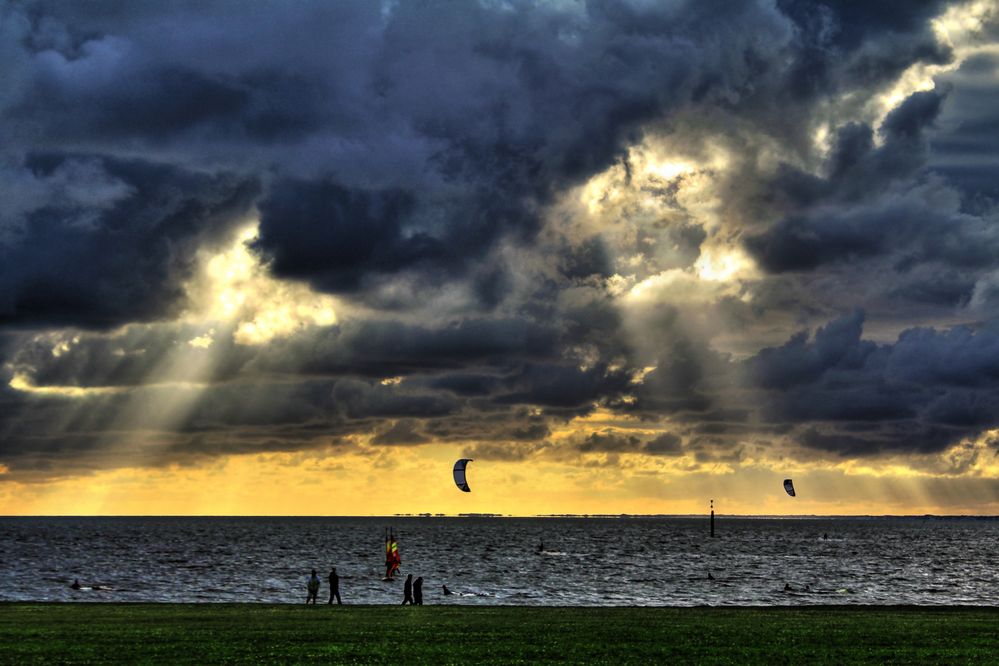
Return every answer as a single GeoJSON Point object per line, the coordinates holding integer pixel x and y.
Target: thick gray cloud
{"type": "Point", "coordinates": [921, 393]}
{"type": "Point", "coordinates": [97, 242]}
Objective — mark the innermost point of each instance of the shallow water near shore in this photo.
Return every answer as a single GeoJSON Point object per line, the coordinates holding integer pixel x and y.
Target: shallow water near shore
{"type": "Point", "coordinates": [493, 561]}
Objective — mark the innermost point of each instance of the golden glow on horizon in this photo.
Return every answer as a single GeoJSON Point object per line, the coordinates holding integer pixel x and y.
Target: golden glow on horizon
{"type": "Point", "coordinates": [415, 480]}
{"type": "Point", "coordinates": [358, 478]}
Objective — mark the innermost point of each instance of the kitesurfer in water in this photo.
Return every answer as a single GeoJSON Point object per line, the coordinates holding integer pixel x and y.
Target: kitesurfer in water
{"type": "Point", "coordinates": [418, 591]}
{"type": "Point", "coordinates": [446, 591]}
{"type": "Point", "coordinates": [541, 546]}
{"type": "Point", "coordinates": [313, 588]}
{"type": "Point", "coordinates": [76, 584]}
{"type": "Point", "coordinates": [334, 587]}
{"type": "Point", "coordinates": [407, 590]}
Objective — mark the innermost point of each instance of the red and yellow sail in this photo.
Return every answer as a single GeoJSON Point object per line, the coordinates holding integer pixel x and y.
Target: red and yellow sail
{"type": "Point", "coordinates": [392, 557]}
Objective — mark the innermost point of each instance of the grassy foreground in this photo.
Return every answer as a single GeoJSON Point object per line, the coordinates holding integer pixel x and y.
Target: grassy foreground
{"type": "Point", "coordinates": [203, 633]}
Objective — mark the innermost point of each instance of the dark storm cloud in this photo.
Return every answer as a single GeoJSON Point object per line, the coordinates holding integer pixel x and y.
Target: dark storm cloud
{"type": "Point", "coordinates": [562, 386]}
{"type": "Point", "coordinates": [803, 361]}
{"type": "Point", "coordinates": [389, 348]}
{"type": "Point", "coordinates": [921, 393]}
{"type": "Point", "coordinates": [496, 427]}
{"type": "Point", "coordinates": [106, 241]}
{"type": "Point", "coordinates": [666, 444]}
{"type": "Point", "coordinates": [589, 258]}
{"type": "Point", "coordinates": [399, 153]}
{"type": "Point", "coordinates": [401, 433]}
{"type": "Point", "coordinates": [854, 213]}
{"type": "Point", "coordinates": [59, 435]}
{"type": "Point", "coordinates": [335, 237]}
{"type": "Point", "coordinates": [964, 151]}
{"type": "Point", "coordinates": [438, 128]}
{"type": "Point", "coordinates": [490, 350]}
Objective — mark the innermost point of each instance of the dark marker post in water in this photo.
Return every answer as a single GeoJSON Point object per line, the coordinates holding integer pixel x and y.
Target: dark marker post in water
{"type": "Point", "coordinates": [712, 519]}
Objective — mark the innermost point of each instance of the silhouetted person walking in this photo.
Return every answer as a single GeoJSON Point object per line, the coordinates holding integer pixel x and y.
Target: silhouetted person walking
{"type": "Point", "coordinates": [408, 590]}
{"type": "Point", "coordinates": [418, 591]}
{"type": "Point", "coordinates": [335, 587]}
{"type": "Point", "coordinates": [313, 588]}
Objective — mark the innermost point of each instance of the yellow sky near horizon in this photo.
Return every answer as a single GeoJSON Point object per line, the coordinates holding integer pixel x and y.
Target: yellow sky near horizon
{"type": "Point", "coordinates": [418, 480]}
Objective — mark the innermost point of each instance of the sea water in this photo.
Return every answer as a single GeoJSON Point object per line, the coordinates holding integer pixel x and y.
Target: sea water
{"type": "Point", "coordinates": [494, 561]}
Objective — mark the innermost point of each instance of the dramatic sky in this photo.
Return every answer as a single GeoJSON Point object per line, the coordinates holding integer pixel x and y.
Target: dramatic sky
{"type": "Point", "coordinates": [629, 255]}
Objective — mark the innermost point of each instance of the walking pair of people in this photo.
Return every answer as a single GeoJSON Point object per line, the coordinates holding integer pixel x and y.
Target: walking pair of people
{"type": "Point", "coordinates": [313, 587]}
{"type": "Point", "coordinates": [413, 591]}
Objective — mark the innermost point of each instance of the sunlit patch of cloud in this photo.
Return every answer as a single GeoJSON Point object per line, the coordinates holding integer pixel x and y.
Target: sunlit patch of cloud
{"type": "Point", "coordinates": [233, 286]}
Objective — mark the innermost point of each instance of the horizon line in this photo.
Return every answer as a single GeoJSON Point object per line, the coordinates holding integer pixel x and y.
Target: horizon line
{"type": "Point", "coordinates": [607, 516]}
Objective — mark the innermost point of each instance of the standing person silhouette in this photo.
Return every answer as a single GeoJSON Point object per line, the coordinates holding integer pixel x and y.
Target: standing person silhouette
{"type": "Point", "coordinates": [335, 587]}
{"type": "Point", "coordinates": [313, 588]}
{"type": "Point", "coordinates": [418, 591]}
{"type": "Point", "coordinates": [408, 590]}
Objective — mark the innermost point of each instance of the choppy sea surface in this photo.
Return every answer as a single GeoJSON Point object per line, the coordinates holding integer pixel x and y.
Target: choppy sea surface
{"type": "Point", "coordinates": [491, 561]}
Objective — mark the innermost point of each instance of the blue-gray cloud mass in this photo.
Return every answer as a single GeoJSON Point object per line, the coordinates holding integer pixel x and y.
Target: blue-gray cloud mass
{"type": "Point", "coordinates": [419, 160]}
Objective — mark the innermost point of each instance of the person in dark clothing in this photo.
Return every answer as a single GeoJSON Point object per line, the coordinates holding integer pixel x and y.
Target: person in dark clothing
{"type": "Point", "coordinates": [446, 591]}
{"type": "Point", "coordinates": [418, 591]}
{"type": "Point", "coordinates": [313, 588]}
{"type": "Point", "coordinates": [76, 584]}
{"type": "Point", "coordinates": [408, 590]}
{"type": "Point", "coordinates": [334, 587]}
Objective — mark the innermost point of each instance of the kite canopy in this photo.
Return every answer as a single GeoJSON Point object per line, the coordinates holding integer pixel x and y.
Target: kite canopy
{"type": "Point", "coordinates": [459, 474]}
{"type": "Point", "coordinates": [789, 487]}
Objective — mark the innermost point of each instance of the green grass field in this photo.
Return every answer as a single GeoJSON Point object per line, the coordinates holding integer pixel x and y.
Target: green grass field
{"type": "Point", "coordinates": [204, 633]}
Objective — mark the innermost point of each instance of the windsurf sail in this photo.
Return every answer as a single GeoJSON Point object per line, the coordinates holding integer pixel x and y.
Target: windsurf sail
{"type": "Point", "coordinates": [789, 487]}
{"type": "Point", "coordinates": [392, 557]}
{"type": "Point", "coordinates": [460, 479]}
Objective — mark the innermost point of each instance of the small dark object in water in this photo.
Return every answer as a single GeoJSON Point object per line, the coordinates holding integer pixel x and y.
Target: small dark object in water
{"type": "Point", "coordinates": [76, 584]}
{"type": "Point", "coordinates": [710, 577]}
{"type": "Point", "coordinates": [788, 588]}
{"type": "Point", "coordinates": [446, 591]}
